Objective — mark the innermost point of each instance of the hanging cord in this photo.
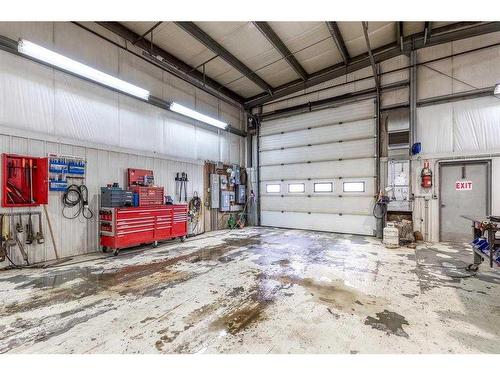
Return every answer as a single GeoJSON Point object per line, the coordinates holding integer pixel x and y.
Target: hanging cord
{"type": "Point", "coordinates": [77, 196]}
{"type": "Point", "coordinates": [195, 210]}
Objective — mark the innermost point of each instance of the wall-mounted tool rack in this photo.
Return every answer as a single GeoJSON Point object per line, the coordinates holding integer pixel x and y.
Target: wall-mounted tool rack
{"type": "Point", "coordinates": [65, 170]}
{"type": "Point", "coordinates": [24, 181]}
{"type": "Point", "coordinates": [12, 225]}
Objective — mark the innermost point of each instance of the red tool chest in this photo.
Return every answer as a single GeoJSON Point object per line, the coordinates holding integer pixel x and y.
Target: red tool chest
{"type": "Point", "coordinates": [148, 195]}
{"type": "Point", "coordinates": [122, 227]}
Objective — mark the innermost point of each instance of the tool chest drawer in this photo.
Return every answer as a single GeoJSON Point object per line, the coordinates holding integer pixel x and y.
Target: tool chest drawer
{"type": "Point", "coordinates": [148, 195]}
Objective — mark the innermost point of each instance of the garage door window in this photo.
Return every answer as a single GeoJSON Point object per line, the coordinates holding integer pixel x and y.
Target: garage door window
{"type": "Point", "coordinates": [354, 187]}
{"type": "Point", "coordinates": [323, 187]}
{"type": "Point", "coordinates": [273, 188]}
{"type": "Point", "coordinates": [296, 188]}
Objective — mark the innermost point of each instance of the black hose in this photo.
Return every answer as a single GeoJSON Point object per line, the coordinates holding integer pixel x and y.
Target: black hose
{"type": "Point", "coordinates": [77, 196]}
{"type": "Point", "coordinates": [13, 264]}
{"type": "Point", "coordinates": [383, 210]}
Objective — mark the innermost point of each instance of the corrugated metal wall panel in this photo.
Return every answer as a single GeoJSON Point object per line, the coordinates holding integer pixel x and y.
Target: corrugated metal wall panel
{"type": "Point", "coordinates": [80, 236]}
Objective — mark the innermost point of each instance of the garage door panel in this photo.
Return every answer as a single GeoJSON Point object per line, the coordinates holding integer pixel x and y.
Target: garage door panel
{"type": "Point", "coordinates": [354, 224]}
{"type": "Point", "coordinates": [337, 187]}
{"type": "Point", "coordinates": [344, 205]}
{"type": "Point", "coordinates": [354, 149]}
{"type": "Point", "coordinates": [336, 146]}
{"type": "Point", "coordinates": [320, 170]}
{"type": "Point", "coordinates": [345, 113]}
{"type": "Point", "coordinates": [334, 133]}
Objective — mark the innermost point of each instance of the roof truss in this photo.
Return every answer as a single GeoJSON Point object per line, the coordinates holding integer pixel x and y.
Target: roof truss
{"type": "Point", "coordinates": [444, 34]}
{"type": "Point", "coordinates": [339, 41]}
{"type": "Point", "coordinates": [205, 39]}
{"type": "Point", "coordinates": [278, 44]}
{"type": "Point", "coordinates": [196, 77]}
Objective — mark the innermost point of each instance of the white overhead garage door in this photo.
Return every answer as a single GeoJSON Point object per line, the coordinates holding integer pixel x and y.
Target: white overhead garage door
{"type": "Point", "coordinates": [317, 170]}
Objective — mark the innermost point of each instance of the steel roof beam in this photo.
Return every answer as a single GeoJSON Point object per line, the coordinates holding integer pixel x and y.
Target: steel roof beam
{"type": "Point", "coordinates": [196, 77]}
{"type": "Point", "coordinates": [445, 34]}
{"type": "Point", "coordinates": [370, 54]}
{"type": "Point", "coordinates": [339, 41]}
{"type": "Point", "coordinates": [150, 30]}
{"type": "Point", "coordinates": [427, 31]}
{"type": "Point", "coordinates": [278, 44]}
{"type": "Point", "coordinates": [400, 35]}
{"type": "Point", "coordinates": [197, 33]}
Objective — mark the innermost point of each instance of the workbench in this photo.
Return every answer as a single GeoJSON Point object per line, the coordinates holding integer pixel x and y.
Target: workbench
{"type": "Point", "coordinates": [122, 227]}
{"type": "Point", "coordinates": [483, 227]}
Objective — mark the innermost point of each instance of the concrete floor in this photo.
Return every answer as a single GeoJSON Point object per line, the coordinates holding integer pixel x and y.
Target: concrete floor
{"type": "Point", "coordinates": [256, 290]}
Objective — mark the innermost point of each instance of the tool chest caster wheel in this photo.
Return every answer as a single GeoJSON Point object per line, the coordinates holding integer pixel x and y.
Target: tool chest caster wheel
{"type": "Point", "coordinates": [472, 267]}
{"type": "Point", "coordinates": [115, 253]}
{"type": "Point", "coordinates": [183, 238]}
{"type": "Point", "coordinates": [104, 249]}
{"type": "Point", "coordinates": [155, 244]}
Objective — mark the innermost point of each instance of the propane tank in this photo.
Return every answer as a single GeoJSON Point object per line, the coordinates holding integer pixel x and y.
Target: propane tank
{"type": "Point", "coordinates": [426, 176]}
{"type": "Point", "coordinates": [391, 236]}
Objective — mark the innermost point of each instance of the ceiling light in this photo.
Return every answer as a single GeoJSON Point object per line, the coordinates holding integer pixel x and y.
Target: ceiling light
{"type": "Point", "coordinates": [43, 54]}
{"type": "Point", "coordinates": [497, 91]}
{"type": "Point", "coordinates": [197, 116]}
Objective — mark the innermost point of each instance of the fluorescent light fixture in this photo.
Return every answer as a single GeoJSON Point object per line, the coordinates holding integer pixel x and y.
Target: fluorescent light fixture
{"type": "Point", "coordinates": [43, 54]}
{"type": "Point", "coordinates": [497, 91]}
{"type": "Point", "coordinates": [197, 115]}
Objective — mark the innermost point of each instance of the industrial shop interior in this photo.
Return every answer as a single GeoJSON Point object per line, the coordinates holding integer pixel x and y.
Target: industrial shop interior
{"type": "Point", "coordinates": [178, 187]}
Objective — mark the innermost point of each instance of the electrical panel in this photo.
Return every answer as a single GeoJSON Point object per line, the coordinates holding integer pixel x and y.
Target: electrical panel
{"type": "Point", "coordinates": [398, 189]}
{"type": "Point", "coordinates": [241, 194]}
{"type": "Point", "coordinates": [237, 174]}
{"type": "Point", "coordinates": [226, 197]}
{"type": "Point", "coordinates": [214, 190]}
{"type": "Point", "coordinates": [223, 182]}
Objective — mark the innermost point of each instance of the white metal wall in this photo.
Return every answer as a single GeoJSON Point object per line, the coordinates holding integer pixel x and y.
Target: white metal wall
{"type": "Point", "coordinates": [334, 145]}
{"type": "Point", "coordinates": [80, 236]}
{"type": "Point", "coordinates": [43, 110]}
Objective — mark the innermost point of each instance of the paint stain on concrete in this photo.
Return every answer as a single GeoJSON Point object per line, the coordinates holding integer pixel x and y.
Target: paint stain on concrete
{"type": "Point", "coordinates": [389, 322]}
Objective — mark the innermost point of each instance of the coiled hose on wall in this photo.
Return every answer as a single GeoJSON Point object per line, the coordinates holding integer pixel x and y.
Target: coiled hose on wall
{"type": "Point", "coordinates": [77, 196]}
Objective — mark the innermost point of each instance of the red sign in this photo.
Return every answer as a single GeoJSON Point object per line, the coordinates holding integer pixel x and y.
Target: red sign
{"type": "Point", "coordinates": [463, 185]}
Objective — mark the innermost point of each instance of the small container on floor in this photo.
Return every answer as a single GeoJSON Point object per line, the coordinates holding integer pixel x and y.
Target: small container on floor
{"type": "Point", "coordinates": [391, 236]}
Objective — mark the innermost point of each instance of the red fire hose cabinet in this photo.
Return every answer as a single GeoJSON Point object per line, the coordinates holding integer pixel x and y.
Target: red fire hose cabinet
{"type": "Point", "coordinates": [122, 227]}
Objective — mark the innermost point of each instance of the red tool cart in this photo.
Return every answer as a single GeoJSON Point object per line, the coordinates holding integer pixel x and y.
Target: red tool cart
{"type": "Point", "coordinates": [24, 181]}
{"type": "Point", "coordinates": [122, 227]}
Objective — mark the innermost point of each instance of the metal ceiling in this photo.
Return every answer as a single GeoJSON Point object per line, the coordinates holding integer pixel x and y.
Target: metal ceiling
{"type": "Point", "coordinates": [257, 62]}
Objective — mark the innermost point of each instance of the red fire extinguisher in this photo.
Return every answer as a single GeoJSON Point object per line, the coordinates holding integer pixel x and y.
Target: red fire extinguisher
{"type": "Point", "coordinates": [426, 175]}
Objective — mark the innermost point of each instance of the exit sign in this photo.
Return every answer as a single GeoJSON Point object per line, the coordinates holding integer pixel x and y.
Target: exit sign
{"type": "Point", "coordinates": [463, 185]}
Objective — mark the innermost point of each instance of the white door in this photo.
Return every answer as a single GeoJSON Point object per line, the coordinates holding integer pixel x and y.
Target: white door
{"type": "Point", "coordinates": [464, 191]}
{"type": "Point", "coordinates": [317, 170]}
